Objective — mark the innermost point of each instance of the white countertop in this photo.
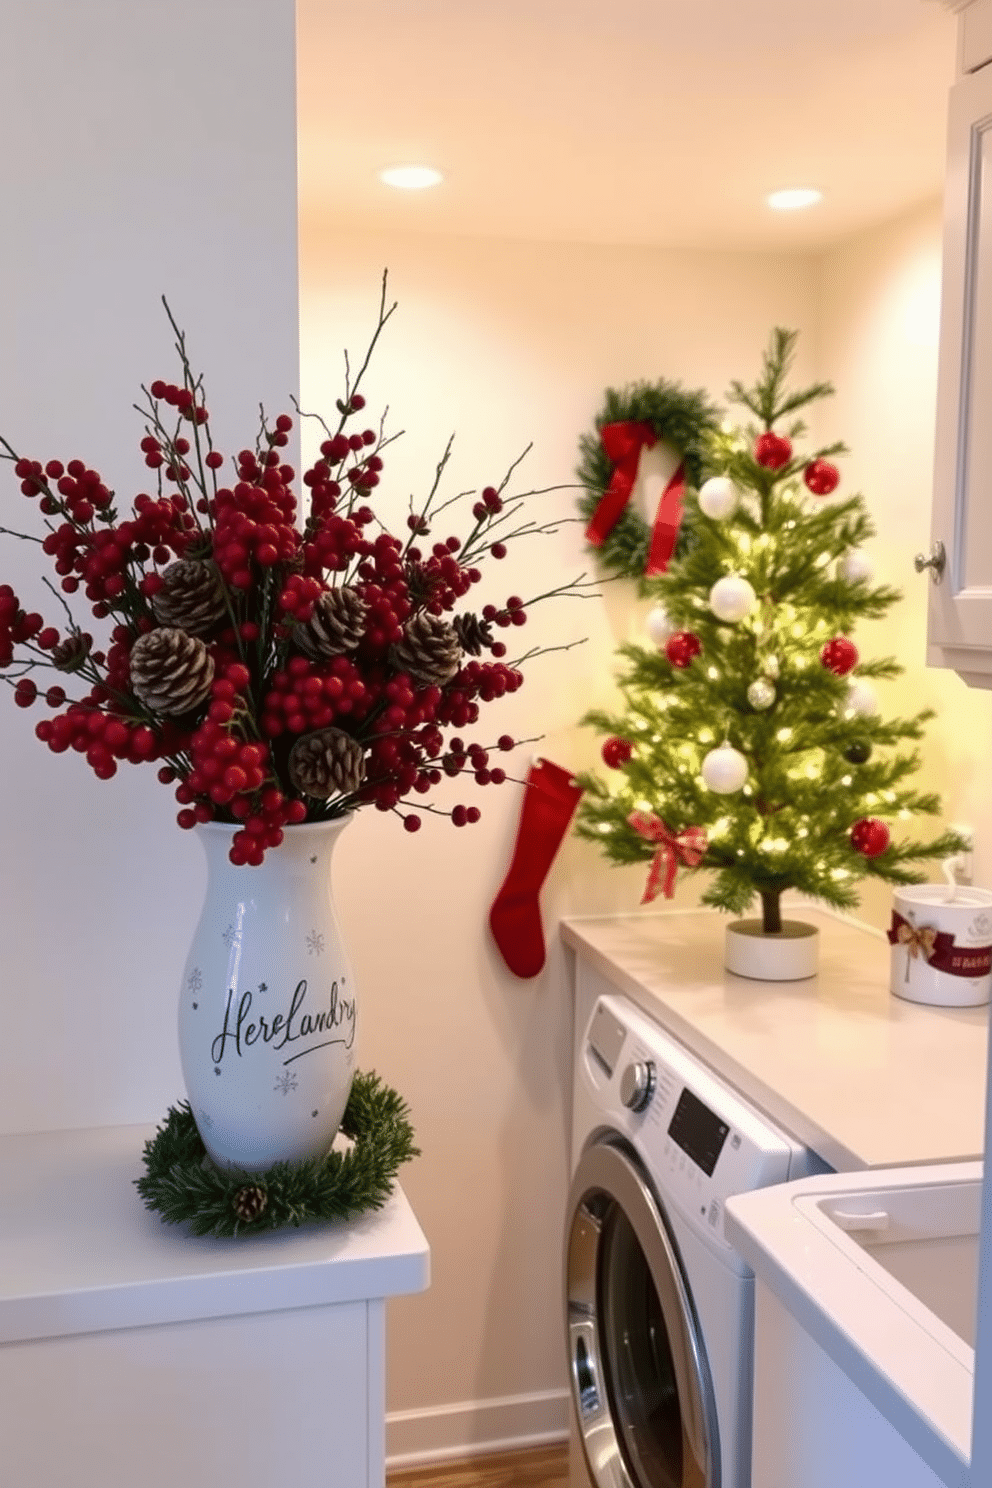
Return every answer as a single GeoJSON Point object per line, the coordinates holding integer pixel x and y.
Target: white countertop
{"type": "Point", "coordinates": [863, 1078]}
{"type": "Point", "coordinates": [80, 1253]}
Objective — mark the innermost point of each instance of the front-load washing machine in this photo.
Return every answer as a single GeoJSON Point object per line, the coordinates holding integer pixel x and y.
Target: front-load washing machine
{"type": "Point", "coordinates": [659, 1307]}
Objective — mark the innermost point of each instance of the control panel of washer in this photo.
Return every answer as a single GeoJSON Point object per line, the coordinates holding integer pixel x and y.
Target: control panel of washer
{"type": "Point", "coordinates": [699, 1140]}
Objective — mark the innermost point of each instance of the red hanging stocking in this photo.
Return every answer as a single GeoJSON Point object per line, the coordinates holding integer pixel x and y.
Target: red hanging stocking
{"type": "Point", "coordinates": [550, 799]}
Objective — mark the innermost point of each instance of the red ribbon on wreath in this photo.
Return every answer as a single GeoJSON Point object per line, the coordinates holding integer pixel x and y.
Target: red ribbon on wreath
{"type": "Point", "coordinates": [623, 443]}
{"type": "Point", "coordinates": [667, 521]}
{"type": "Point", "coordinates": [687, 847]}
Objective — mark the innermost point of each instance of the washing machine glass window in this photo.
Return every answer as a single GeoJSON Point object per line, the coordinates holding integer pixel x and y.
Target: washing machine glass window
{"type": "Point", "coordinates": [641, 1387]}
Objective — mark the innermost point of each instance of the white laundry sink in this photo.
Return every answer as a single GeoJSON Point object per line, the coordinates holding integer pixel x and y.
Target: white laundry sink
{"type": "Point", "coordinates": [866, 1304]}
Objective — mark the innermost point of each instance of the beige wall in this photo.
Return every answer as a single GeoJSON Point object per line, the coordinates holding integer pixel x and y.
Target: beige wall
{"type": "Point", "coordinates": [878, 307]}
{"type": "Point", "coordinates": [503, 344]}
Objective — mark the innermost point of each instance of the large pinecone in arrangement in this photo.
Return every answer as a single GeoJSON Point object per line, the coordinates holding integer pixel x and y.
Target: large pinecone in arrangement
{"type": "Point", "coordinates": [70, 654]}
{"type": "Point", "coordinates": [171, 671]}
{"type": "Point", "coordinates": [326, 763]}
{"type": "Point", "coordinates": [336, 625]}
{"type": "Point", "coordinates": [192, 597]}
{"type": "Point", "coordinates": [474, 633]}
{"type": "Point", "coordinates": [430, 650]}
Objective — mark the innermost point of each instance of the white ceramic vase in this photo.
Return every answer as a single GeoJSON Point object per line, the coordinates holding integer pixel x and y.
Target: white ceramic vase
{"type": "Point", "coordinates": [267, 1007]}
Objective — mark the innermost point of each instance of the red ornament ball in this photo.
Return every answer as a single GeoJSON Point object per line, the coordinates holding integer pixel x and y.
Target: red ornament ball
{"type": "Point", "coordinates": [839, 656]}
{"type": "Point", "coordinates": [617, 752]}
{"type": "Point", "coordinates": [821, 477]}
{"type": "Point", "coordinates": [772, 450]}
{"type": "Point", "coordinates": [869, 836]}
{"type": "Point", "coordinates": [682, 647]}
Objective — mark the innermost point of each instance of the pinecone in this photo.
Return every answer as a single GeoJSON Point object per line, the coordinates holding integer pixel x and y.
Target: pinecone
{"type": "Point", "coordinates": [430, 650]}
{"type": "Point", "coordinates": [171, 671]}
{"type": "Point", "coordinates": [70, 654]}
{"type": "Point", "coordinates": [249, 1202]}
{"type": "Point", "coordinates": [474, 634]}
{"type": "Point", "coordinates": [326, 763]}
{"type": "Point", "coordinates": [336, 625]}
{"type": "Point", "coordinates": [192, 598]}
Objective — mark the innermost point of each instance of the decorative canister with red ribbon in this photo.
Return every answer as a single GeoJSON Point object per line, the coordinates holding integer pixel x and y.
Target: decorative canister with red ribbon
{"type": "Point", "coordinates": [941, 945]}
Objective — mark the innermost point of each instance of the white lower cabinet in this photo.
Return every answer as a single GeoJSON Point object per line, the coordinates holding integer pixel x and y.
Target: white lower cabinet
{"type": "Point", "coordinates": [134, 1355]}
{"type": "Point", "coordinates": [813, 1428]}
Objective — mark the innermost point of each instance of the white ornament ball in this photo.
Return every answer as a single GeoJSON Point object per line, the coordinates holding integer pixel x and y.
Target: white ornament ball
{"type": "Point", "coordinates": [861, 698]}
{"type": "Point", "coordinates": [732, 598]}
{"type": "Point", "coordinates": [854, 566]}
{"type": "Point", "coordinates": [724, 770]}
{"type": "Point", "coordinates": [761, 693]}
{"type": "Point", "coordinates": [659, 627]}
{"type": "Point", "coordinates": [718, 497]}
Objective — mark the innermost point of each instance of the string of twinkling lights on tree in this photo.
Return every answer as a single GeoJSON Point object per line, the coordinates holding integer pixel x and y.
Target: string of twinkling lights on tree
{"type": "Point", "coordinates": [750, 720]}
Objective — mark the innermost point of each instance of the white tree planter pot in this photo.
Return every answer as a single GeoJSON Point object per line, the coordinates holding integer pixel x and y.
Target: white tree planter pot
{"type": "Point", "coordinates": [789, 955]}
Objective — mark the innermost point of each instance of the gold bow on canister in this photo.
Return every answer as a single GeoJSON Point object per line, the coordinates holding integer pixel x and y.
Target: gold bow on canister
{"type": "Point", "coordinates": [918, 941]}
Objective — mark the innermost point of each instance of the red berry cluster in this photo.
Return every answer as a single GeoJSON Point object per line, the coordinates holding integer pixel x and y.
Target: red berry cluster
{"type": "Point", "coordinates": [306, 695]}
{"type": "Point", "coordinates": [227, 757]}
{"type": "Point", "coordinates": [103, 737]}
{"type": "Point", "coordinates": [254, 523]}
{"type": "Point", "coordinates": [383, 587]}
{"type": "Point", "coordinates": [16, 627]}
{"type": "Point", "coordinates": [183, 399]}
{"type": "Point", "coordinates": [79, 493]}
{"type": "Point", "coordinates": [477, 679]}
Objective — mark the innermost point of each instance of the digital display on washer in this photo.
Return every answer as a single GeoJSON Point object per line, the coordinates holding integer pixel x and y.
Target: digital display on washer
{"type": "Point", "coordinates": [698, 1132]}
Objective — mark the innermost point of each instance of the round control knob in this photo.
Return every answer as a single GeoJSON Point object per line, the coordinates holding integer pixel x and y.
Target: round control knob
{"type": "Point", "coordinates": [637, 1085]}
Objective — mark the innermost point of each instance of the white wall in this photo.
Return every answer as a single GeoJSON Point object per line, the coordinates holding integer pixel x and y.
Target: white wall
{"type": "Point", "coordinates": [136, 162]}
{"type": "Point", "coordinates": [503, 343]}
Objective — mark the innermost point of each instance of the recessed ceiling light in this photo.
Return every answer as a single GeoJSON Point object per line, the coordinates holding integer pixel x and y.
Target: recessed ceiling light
{"type": "Point", "coordinates": [411, 177]}
{"type": "Point", "coordinates": [793, 200]}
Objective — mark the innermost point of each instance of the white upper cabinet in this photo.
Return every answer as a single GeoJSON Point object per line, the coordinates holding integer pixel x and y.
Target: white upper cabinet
{"type": "Point", "coordinates": [960, 557]}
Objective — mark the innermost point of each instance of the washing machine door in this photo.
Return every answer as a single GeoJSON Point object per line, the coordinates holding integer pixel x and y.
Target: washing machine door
{"type": "Point", "coordinates": [640, 1382]}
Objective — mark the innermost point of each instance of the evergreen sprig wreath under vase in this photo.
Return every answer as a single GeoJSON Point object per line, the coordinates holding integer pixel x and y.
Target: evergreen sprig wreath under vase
{"type": "Point", "coordinates": [282, 663]}
{"type": "Point", "coordinates": [749, 742]}
{"type": "Point", "coordinates": [185, 1189]}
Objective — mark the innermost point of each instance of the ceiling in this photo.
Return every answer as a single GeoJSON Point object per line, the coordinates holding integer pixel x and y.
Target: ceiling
{"type": "Point", "coordinates": [653, 122]}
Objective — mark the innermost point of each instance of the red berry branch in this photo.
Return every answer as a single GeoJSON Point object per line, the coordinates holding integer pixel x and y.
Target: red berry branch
{"type": "Point", "coordinates": [280, 658]}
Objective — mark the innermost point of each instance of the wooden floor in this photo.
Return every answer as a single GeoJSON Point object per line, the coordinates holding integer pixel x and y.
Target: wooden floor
{"type": "Point", "coordinates": [540, 1467]}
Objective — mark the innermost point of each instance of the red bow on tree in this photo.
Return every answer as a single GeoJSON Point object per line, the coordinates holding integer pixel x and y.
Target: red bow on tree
{"type": "Point", "coordinates": [623, 443]}
{"type": "Point", "coordinates": [686, 847]}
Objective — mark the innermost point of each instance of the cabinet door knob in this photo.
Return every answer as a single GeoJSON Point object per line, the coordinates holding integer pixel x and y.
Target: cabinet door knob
{"type": "Point", "coordinates": [935, 563]}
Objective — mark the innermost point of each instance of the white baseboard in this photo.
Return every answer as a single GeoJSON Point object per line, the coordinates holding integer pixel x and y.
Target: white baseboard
{"type": "Point", "coordinates": [473, 1427]}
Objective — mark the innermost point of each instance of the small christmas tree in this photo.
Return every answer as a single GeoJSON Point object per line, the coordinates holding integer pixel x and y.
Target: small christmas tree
{"type": "Point", "coordinates": [750, 741]}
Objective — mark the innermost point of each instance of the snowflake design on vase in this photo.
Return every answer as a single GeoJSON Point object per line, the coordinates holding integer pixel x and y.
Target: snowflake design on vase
{"type": "Point", "coordinates": [229, 936]}
{"type": "Point", "coordinates": [205, 1119]}
{"type": "Point", "coordinates": [195, 979]}
{"type": "Point", "coordinates": [286, 1082]}
{"type": "Point", "coordinates": [315, 943]}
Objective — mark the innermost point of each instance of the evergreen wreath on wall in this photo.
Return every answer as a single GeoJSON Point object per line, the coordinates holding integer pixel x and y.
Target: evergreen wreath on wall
{"type": "Point", "coordinates": [185, 1188]}
{"type": "Point", "coordinates": [634, 418]}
